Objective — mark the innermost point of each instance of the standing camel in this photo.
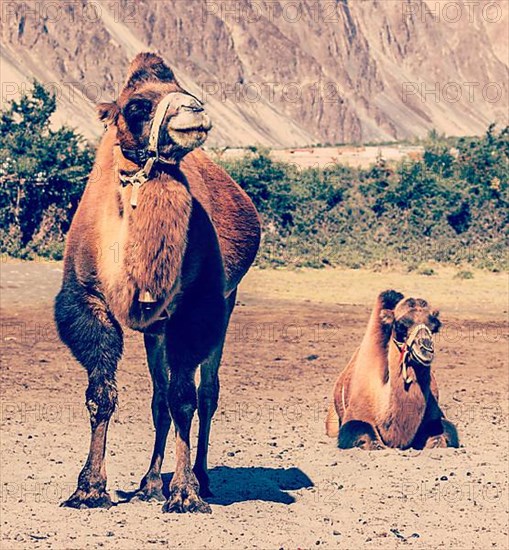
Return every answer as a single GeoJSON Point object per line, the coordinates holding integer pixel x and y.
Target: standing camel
{"type": "Point", "coordinates": [387, 395]}
{"type": "Point", "coordinates": [159, 244]}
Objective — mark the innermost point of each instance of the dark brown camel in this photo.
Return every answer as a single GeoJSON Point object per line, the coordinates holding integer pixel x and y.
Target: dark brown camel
{"type": "Point", "coordinates": [159, 244]}
{"type": "Point", "coordinates": [387, 395]}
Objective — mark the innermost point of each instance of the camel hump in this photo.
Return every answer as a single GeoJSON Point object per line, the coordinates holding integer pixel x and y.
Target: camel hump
{"type": "Point", "coordinates": [389, 299]}
{"type": "Point", "coordinates": [332, 422]}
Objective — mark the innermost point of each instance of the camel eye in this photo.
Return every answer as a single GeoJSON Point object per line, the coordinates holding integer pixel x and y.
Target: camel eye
{"type": "Point", "coordinates": [137, 110]}
{"type": "Point", "coordinates": [401, 329]}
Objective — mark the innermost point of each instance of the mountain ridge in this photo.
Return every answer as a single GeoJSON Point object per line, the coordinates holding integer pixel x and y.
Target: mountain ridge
{"type": "Point", "coordinates": [332, 71]}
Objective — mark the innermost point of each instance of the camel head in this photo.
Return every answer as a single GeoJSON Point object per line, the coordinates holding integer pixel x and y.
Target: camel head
{"type": "Point", "coordinates": [154, 115]}
{"type": "Point", "coordinates": [412, 323]}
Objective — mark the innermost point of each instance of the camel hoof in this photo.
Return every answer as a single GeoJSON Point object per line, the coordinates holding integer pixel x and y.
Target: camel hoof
{"type": "Point", "coordinates": [185, 500]}
{"type": "Point", "coordinates": [149, 494]}
{"type": "Point", "coordinates": [436, 442]}
{"type": "Point", "coordinates": [81, 500]}
{"type": "Point", "coordinates": [151, 488]}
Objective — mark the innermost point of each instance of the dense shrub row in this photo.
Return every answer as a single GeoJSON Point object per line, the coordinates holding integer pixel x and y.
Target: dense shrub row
{"type": "Point", "coordinates": [449, 207]}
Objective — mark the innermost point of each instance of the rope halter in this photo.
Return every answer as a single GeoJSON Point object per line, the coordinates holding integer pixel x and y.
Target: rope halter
{"type": "Point", "coordinates": [408, 350]}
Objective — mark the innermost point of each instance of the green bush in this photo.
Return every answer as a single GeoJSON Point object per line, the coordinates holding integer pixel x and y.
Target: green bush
{"type": "Point", "coordinates": [443, 208]}
{"type": "Point", "coordinates": [42, 176]}
{"type": "Point", "coordinates": [464, 274]}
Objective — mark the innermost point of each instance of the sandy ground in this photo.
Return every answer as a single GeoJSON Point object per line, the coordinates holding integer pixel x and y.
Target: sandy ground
{"type": "Point", "coordinates": [279, 482]}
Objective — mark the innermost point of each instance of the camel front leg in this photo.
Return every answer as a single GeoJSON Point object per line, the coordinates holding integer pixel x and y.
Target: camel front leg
{"type": "Point", "coordinates": [356, 433]}
{"type": "Point", "coordinates": [208, 396]}
{"type": "Point", "coordinates": [435, 431]}
{"type": "Point", "coordinates": [448, 437]}
{"type": "Point", "coordinates": [95, 339]}
{"type": "Point", "coordinates": [184, 486]}
{"type": "Point", "coordinates": [91, 491]}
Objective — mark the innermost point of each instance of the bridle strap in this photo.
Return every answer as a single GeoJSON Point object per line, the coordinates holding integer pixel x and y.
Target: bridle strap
{"type": "Point", "coordinates": [412, 336]}
{"type": "Point", "coordinates": [153, 140]}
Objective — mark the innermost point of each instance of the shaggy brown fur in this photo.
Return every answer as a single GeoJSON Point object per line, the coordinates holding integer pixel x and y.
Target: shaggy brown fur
{"type": "Point", "coordinates": [188, 243]}
{"type": "Point", "coordinates": [374, 406]}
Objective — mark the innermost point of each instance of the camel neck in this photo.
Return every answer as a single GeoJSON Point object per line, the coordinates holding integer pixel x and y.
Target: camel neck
{"type": "Point", "coordinates": [403, 404]}
{"type": "Point", "coordinates": [419, 376]}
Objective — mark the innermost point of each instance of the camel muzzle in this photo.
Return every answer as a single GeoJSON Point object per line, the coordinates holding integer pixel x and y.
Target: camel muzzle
{"type": "Point", "coordinates": [186, 113]}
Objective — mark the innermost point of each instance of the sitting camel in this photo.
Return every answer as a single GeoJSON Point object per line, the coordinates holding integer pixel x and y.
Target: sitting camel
{"type": "Point", "coordinates": [387, 395]}
{"type": "Point", "coordinates": [159, 244]}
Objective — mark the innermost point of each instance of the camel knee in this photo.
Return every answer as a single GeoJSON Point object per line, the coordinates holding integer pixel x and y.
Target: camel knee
{"type": "Point", "coordinates": [182, 414]}
{"type": "Point", "coordinates": [182, 403]}
{"type": "Point", "coordinates": [101, 399]}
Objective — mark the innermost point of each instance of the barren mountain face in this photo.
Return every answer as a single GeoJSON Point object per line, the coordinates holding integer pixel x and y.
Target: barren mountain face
{"type": "Point", "coordinates": [276, 72]}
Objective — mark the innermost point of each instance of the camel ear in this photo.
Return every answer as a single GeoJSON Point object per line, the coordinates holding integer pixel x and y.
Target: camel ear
{"type": "Point", "coordinates": [387, 316]}
{"type": "Point", "coordinates": [435, 321]}
{"type": "Point", "coordinates": [146, 67]}
{"type": "Point", "coordinates": [389, 299]}
{"type": "Point", "coordinates": [108, 112]}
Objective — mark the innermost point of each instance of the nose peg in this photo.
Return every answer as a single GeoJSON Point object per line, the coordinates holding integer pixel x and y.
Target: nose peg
{"type": "Point", "coordinates": [186, 102]}
{"type": "Point", "coordinates": [194, 106]}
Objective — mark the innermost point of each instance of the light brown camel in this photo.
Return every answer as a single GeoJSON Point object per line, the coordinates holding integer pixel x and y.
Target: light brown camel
{"type": "Point", "coordinates": [159, 244]}
{"type": "Point", "coordinates": [387, 395]}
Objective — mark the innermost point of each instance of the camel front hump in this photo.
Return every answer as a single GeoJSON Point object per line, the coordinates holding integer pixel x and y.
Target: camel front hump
{"type": "Point", "coordinates": [387, 395]}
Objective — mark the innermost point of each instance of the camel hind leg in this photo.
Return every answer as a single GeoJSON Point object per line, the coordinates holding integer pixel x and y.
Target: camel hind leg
{"type": "Point", "coordinates": [208, 396]}
{"type": "Point", "coordinates": [95, 339]}
{"type": "Point", "coordinates": [435, 431]}
{"type": "Point", "coordinates": [440, 434]}
{"type": "Point", "coordinates": [195, 329]}
{"type": "Point", "coordinates": [151, 486]}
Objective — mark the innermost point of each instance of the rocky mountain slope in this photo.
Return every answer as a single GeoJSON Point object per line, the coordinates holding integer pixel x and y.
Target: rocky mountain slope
{"type": "Point", "coordinates": [276, 72]}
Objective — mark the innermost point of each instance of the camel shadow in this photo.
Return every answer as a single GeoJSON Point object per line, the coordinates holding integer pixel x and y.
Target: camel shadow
{"type": "Point", "coordinates": [232, 485]}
